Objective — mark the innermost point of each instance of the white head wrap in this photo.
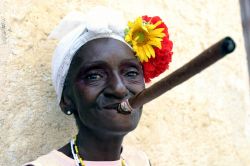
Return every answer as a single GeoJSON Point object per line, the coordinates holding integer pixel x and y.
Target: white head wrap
{"type": "Point", "coordinates": [75, 30]}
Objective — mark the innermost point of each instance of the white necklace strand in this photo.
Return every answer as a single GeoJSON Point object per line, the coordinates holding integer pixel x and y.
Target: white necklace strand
{"type": "Point", "coordinates": [73, 152]}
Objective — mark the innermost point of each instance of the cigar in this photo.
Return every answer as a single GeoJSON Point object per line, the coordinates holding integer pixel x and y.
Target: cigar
{"type": "Point", "coordinates": [196, 65]}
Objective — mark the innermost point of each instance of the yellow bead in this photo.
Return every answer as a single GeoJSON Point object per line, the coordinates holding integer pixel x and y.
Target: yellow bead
{"type": "Point", "coordinates": [123, 162]}
{"type": "Point", "coordinates": [81, 161]}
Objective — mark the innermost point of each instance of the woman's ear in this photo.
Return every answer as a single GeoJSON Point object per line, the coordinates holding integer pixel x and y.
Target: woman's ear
{"type": "Point", "coordinates": [66, 104]}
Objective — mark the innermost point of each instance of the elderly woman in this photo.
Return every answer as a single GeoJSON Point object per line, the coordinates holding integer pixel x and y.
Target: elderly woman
{"type": "Point", "coordinates": [96, 66]}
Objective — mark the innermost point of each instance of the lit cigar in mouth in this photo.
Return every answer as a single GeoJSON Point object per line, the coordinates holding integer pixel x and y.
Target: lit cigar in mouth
{"type": "Point", "coordinates": [196, 65]}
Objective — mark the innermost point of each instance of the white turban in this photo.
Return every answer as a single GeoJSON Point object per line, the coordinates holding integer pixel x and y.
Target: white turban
{"type": "Point", "coordinates": [77, 29]}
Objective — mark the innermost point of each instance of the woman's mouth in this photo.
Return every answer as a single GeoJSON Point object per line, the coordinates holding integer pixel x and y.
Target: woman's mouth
{"type": "Point", "coordinates": [111, 106]}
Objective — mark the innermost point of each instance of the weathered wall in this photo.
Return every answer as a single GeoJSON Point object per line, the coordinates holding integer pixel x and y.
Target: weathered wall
{"type": "Point", "coordinates": [201, 122]}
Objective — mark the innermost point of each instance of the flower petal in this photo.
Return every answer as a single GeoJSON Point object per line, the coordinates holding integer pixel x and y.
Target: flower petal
{"type": "Point", "coordinates": [146, 50]}
{"type": "Point", "coordinates": [151, 50]}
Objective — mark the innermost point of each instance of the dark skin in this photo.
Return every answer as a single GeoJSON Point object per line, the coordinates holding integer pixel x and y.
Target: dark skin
{"type": "Point", "coordinates": [103, 73]}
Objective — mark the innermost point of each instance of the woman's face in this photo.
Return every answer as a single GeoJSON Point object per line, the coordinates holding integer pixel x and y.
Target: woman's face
{"type": "Point", "coordinates": [105, 73]}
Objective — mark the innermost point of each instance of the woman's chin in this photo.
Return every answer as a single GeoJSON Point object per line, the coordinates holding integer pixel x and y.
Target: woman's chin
{"type": "Point", "coordinates": [120, 130]}
{"type": "Point", "coordinates": [120, 123]}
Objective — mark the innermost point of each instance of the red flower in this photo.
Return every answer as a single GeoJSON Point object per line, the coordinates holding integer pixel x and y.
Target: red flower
{"type": "Point", "coordinates": [155, 66]}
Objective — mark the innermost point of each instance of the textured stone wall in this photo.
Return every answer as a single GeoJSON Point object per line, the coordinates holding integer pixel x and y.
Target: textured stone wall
{"type": "Point", "coordinates": [204, 121]}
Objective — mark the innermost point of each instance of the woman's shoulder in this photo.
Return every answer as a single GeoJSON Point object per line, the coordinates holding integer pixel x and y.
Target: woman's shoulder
{"type": "Point", "coordinates": [134, 157]}
{"type": "Point", "coordinates": [54, 158]}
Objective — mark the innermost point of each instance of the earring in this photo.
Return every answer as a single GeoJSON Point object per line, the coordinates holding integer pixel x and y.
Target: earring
{"type": "Point", "coordinates": [69, 112]}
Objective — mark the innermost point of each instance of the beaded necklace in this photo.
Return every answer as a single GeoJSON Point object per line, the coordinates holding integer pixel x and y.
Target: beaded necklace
{"type": "Point", "coordinates": [77, 157]}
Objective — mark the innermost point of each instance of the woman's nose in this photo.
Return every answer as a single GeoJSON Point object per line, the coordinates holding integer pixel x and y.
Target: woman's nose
{"type": "Point", "coordinates": [116, 87]}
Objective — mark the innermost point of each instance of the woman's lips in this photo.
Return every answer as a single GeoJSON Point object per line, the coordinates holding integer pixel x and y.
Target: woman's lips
{"type": "Point", "coordinates": [111, 106]}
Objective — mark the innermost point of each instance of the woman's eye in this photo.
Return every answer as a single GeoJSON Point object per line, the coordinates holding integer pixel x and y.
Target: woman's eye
{"type": "Point", "coordinates": [132, 74]}
{"type": "Point", "coordinates": [94, 77]}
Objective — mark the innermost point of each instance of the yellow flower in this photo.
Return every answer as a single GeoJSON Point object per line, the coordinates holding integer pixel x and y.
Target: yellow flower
{"type": "Point", "coordinates": [143, 37]}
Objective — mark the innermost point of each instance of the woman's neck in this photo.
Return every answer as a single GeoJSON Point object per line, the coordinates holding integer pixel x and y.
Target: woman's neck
{"type": "Point", "coordinates": [99, 146]}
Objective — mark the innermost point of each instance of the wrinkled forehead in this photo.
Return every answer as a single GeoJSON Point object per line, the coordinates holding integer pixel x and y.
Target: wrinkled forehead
{"type": "Point", "coordinates": [103, 48]}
